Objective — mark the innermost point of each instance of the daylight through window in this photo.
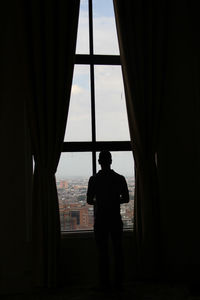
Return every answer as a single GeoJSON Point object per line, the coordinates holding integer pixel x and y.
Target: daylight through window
{"type": "Point", "coordinates": [97, 118]}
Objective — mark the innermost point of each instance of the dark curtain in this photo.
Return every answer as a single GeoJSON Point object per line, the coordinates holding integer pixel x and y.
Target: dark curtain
{"type": "Point", "coordinates": [51, 34]}
{"type": "Point", "coordinates": [142, 31]}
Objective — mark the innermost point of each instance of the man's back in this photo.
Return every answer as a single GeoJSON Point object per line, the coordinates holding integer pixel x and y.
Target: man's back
{"type": "Point", "coordinates": [107, 190]}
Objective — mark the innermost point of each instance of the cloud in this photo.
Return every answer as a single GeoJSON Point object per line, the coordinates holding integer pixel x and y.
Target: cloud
{"type": "Point", "coordinates": [76, 90]}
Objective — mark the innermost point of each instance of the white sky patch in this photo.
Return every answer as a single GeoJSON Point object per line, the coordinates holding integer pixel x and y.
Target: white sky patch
{"type": "Point", "coordinates": [105, 36]}
{"type": "Point", "coordinates": [111, 114]}
{"type": "Point", "coordinates": [75, 164]}
{"type": "Point", "coordinates": [82, 45]}
{"type": "Point", "coordinates": [79, 117]}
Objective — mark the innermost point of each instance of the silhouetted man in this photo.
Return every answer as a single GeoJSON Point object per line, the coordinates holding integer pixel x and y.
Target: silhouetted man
{"type": "Point", "coordinates": [106, 191]}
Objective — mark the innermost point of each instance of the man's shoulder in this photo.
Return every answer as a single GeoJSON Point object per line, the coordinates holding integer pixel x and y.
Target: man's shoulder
{"type": "Point", "coordinates": [112, 174]}
{"type": "Point", "coordinates": [117, 175]}
{"type": "Point", "coordinates": [93, 178]}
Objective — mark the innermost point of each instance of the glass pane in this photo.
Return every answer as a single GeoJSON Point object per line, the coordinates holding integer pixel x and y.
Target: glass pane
{"type": "Point", "coordinates": [79, 116]}
{"type": "Point", "coordinates": [123, 163]}
{"type": "Point", "coordinates": [72, 177]}
{"type": "Point", "coordinates": [82, 45]}
{"type": "Point", "coordinates": [111, 114]}
{"type": "Point", "coordinates": [105, 34]}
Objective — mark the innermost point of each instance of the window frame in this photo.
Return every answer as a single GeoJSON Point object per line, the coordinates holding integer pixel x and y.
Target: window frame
{"type": "Point", "coordinates": [94, 146]}
{"type": "Point", "coordinates": [91, 60]}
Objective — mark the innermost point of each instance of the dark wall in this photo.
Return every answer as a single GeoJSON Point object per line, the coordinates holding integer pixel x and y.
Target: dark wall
{"type": "Point", "coordinates": [15, 158]}
{"type": "Point", "coordinates": [178, 154]}
{"type": "Point", "coordinates": [15, 195]}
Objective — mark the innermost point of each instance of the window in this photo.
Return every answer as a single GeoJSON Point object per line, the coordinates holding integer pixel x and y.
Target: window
{"type": "Point", "coordinates": [97, 117]}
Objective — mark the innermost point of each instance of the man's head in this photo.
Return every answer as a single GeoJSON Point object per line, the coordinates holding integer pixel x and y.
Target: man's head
{"type": "Point", "coordinates": [105, 159]}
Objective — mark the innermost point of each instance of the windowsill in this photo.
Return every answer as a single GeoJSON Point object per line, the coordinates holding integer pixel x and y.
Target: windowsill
{"type": "Point", "coordinates": [77, 233]}
{"type": "Point", "coordinates": [88, 233]}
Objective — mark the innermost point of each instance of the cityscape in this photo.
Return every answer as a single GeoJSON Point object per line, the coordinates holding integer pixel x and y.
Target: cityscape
{"type": "Point", "coordinates": [76, 214]}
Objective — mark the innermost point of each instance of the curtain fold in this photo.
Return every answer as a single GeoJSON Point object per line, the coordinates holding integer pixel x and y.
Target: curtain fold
{"type": "Point", "coordinates": [142, 31]}
{"type": "Point", "coordinates": [51, 38]}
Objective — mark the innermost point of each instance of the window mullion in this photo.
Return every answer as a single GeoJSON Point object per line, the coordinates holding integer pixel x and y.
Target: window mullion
{"type": "Point", "coordinates": [93, 117]}
{"type": "Point", "coordinates": [91, 44]}
{"type": "Point", "coordinates": [94, 167]}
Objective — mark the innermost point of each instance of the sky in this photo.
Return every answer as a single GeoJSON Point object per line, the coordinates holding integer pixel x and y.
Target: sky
{"type": "Point", "coordinates": [111, 115]}
{"type": "Point", "coordinates": [79, 164]}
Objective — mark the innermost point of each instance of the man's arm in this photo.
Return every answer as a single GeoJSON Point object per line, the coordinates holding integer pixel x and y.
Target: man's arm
{"type": "Point", "coordinates": [124, 192]}
{"type": "Point", "coordinates": [91, 191]}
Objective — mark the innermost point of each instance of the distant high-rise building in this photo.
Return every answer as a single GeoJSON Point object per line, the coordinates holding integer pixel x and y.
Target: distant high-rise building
{"type": "Point", "coordinates": [63, 184]}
